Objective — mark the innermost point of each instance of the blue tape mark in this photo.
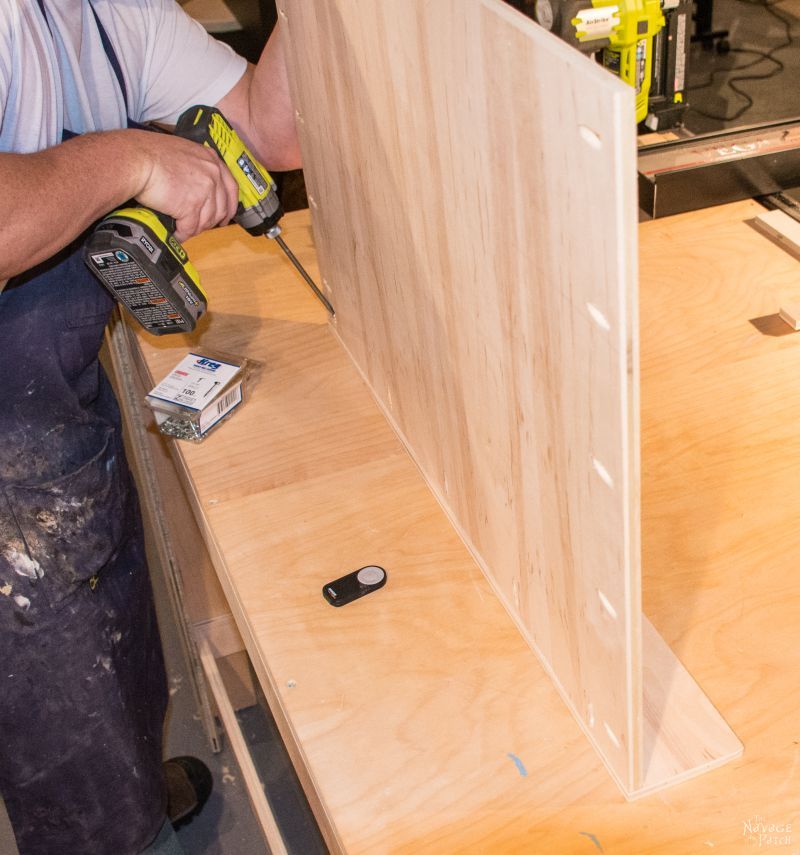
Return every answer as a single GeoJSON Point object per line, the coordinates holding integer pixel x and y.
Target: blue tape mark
{"type": "Point", "coordinates": [593, 839]}
{"type": "Point", "coordinates": [519, 764]}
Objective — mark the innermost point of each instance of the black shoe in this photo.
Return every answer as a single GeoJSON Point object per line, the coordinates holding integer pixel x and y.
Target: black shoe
{"type": "Point", "coordinates": [189, 784]}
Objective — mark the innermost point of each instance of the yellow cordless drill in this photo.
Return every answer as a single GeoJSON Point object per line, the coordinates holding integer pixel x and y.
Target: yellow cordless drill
{"type": "Point", "coordinates": [133, 251]}
{"type": "Point", "coordinates": [622, 29]}
{"type": "Point", "coordinates": [259, 208]}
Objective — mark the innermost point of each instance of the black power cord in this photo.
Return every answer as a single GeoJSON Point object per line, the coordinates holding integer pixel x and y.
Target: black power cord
{"type": "Point", "coordinates": [761, 56]}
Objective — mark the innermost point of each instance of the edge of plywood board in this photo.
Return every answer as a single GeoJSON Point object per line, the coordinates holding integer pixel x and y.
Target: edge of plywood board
{"type": "Point", "coordinates": [780, 228]}
{"type": "Point", "coordinates": [252, 780]}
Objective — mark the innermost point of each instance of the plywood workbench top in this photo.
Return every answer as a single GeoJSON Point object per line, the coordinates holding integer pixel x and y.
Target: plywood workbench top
{"type": "Point", "coordinates": [417, 717]}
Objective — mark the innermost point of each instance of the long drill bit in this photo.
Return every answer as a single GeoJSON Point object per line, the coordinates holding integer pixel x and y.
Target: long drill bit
{"type": "Point", "coordinates": [302, 271]}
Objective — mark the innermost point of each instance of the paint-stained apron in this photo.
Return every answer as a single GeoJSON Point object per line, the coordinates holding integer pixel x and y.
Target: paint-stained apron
{"type": "Point", "coordinates": [82, 684]}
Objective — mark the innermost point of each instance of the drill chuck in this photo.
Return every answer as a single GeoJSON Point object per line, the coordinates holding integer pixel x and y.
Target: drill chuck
{"type": "Point", "coordinates": [259, 208]}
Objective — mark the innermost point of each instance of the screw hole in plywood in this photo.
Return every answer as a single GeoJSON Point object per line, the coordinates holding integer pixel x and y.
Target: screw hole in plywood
{"type": "Point", "coordinates": [604, 474]}
{"type": "Point", "coordinates": [598, 317]}
{"type": "Point", "coordinates": [607, 604]}
{"type": "Point", "coordinates": [590, 137]}
{"type": "Point", "coordinates": [611, 735]}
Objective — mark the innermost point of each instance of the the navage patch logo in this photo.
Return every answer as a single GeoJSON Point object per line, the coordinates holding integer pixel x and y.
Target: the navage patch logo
{"type": "Point", "coordinates": [761, 834]}
{"type": "Point", "coordinates": [207, 364]}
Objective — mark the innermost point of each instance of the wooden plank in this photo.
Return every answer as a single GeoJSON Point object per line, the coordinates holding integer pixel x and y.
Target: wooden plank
{"type": "Point", "coordinates": [221, 634]}
{"type": "Point", "coordinates": [238, 680]}
{"type": "Point", "coordinates": [790, 314]}
{"type": "Point", "coordinates": [489, 305]}
{"type": "Point", "coordinates": [684, 734]}
{"type": "Point", "coordinates": [179, 552]}
{"type": "Point", "coordinates": [782, 228]}
{"type": "Point", "coordinates": [487, 293]}
{"type": "Point", "coordinates": [252, 782]}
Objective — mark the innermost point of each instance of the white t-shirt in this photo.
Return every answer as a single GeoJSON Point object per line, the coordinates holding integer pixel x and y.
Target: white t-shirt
{"type": "Point", "coordinates": [58, 76]}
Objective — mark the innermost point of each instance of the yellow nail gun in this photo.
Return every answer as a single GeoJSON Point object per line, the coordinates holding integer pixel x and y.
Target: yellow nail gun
{"type": "Point", "coordinates": [622, 29]}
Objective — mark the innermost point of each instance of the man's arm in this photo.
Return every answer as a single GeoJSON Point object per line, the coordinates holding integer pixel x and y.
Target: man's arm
{"type": "Point", "coordinates": [48, 198]}
{"type": "Point", "coordinates": [260, 108]}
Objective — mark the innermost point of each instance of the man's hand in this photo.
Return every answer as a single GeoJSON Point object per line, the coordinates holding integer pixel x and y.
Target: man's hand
{"type": "Point", "coordinates": [185, 180]}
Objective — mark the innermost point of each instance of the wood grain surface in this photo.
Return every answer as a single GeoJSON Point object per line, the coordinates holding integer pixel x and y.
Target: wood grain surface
{"type": "Point", "coordinates": [418, 718]}
{"type": "Point", "coordinates": [473, 200]}
{"type": "Point", "coordinates": [485, 287]}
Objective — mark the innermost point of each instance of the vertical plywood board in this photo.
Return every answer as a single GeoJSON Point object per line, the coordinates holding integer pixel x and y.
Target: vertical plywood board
{"type": "Point", "coordinates": [479, 267]}
{"type": "Point", "coordinates": [473, 194]}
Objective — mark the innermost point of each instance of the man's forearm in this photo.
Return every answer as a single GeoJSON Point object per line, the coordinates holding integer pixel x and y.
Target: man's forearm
{"type": "Point", "coordinates": [271, 107]}
{"type": "Point", "coordinates": [260, 108]}
{"type": "Point", "coordinates": [48, 198]}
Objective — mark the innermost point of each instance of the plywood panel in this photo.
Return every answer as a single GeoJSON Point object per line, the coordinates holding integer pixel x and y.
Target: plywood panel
{"type": "Point", "coordinates": [472, 186]}
{"type": "Point", "coordinates": [481, 262]}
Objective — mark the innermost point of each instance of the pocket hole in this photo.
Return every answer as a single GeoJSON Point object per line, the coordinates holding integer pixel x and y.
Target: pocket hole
{"type": "Point", "coordinates": [598, 317]}
{"type": "Point", "coordinates": [591, 137]}
{"type": "Point", "coordinates": [603, 472]}
{"type": "Point", "coordinates": [607, 604]}
{"type": "Point", "coordinates": [611, 735]}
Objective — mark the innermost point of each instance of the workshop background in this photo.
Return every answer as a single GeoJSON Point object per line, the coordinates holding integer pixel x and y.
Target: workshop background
{"type": "Point", "coordinates": [743, 70]}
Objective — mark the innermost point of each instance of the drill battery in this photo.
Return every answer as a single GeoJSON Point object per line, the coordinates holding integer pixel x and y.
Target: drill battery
{"type": "Point", "coordinates": [135, 255]}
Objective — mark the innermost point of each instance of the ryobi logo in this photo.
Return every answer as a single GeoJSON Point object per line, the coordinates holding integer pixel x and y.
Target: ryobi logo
{"type": "Point", "coordinates": [208, 364]}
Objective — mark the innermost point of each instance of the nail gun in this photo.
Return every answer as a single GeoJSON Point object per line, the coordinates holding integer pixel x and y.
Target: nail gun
{"type": "Point", "coordinates": [622, 29]}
